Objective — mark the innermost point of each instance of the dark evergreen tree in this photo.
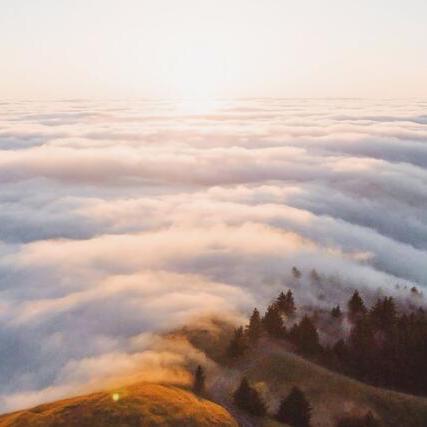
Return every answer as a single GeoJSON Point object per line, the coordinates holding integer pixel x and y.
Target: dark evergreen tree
{"type": "Point", "coordinates": [254, 329]}
{"type": "Point", "coordinates": [199, 381]}
{"type": "Point", "coordinates": [362, 348]}
{"type": "Point", "coordinates": [340, 350]}
{"type": "Point", "coordinates": [273, 322]}
{"type": "Point", "coordinates": [248, 399]}
{"type": "Point", "coordinates": [336, 312]}
{"type": "Point", "coordinates": [295, 410]}
{"type": "Point", "coordinates": [282, 302]}
{"type": "Point", "coordinates": [286, 303]}
{"type": "Point", "coordinates": [356, 307]}
{"type": "Point", "coordinates": [296, 273]}
{"type": "Point", "coordinates": [384, 314]}
{"type": "Point", "coordinates": [291, 309]}
{"type": "Point", "coordinates": [237, 345]}
{"type": "Point", "coordinates": [305, 336]}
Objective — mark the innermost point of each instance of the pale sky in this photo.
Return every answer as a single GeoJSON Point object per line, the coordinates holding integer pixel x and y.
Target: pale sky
{"type": "Point", "coordinates": [212, 48]}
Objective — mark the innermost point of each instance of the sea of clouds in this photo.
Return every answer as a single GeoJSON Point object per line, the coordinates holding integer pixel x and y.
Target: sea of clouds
{"type": "Point", "coordinates": [119, 219]}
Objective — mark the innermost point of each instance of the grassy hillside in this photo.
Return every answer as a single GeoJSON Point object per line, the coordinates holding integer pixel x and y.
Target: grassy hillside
{"type": "Point", "coordinates": [137, 405]}
{"type": "Point", "coordinates": [331, 394]}
{"type": "Point", "coordinates": [274, 370]}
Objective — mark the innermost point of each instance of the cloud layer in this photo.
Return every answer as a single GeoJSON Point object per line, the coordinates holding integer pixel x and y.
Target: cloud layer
{"type": "Point", "coordinates": [119, 220]}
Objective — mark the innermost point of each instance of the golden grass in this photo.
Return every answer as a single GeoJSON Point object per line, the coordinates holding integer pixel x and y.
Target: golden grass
{"type": "Point", "coordinates": [141, 404]}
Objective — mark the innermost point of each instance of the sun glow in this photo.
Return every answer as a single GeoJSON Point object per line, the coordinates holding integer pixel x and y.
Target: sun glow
{"type": "Point", "coordinates": [198, 73]}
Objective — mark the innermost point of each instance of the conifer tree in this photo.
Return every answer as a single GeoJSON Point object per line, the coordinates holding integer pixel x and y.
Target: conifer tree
{"type": "Point", "coordinates": [356, 307]}
{"type": "Point", "coordinates": [295, 410]}
{"type": "Point", "coordinates": [237, 345]}
{"type": "Point", "coordinates": [281, 302]}
{"type": "Point", "coordinates": [383, 314]}
{"type": "Point", "coordinates": [273, 322]}
{"type": "Point", "coordinates": [248, 399]}
{"type": "Point", "coordinates": [296, 273]}
{"type": "Point", "coordinates": [362, 348]}
{"type": "Point", "coordinates": [290, 304]}
{"type": "Point", "coordinates": [336, 312]}
{"type": "Point", "coordinates": [254, 329]}
{"type": "Point", "coordinates": [199, 381]}
{"type": "Point", "coordinates": [286, 303]}
{"type": "Point", "coordinates": [340, 350]}
{"type": "Point", "coordinates": [305, 336]}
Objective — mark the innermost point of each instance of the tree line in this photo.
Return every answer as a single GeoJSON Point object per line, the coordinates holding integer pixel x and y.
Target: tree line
{"type": "Point", "coordinates": [385, 347]}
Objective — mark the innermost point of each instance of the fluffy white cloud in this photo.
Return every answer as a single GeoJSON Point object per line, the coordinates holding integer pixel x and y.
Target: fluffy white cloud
{"type": "Point", "coordinates": [122, 220]}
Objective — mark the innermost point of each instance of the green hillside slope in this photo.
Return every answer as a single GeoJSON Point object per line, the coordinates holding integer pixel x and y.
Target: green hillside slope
{"type": "Point", "coordinates": [331, 394]}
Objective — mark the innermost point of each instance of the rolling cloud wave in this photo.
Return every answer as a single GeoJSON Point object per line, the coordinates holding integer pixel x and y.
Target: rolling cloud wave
{"type": "Point", "coordinates": [122, 219]}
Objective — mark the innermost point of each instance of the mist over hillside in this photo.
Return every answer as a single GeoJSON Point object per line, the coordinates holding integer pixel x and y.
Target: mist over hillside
{"type": "Point", "coordinates": [124, 219]}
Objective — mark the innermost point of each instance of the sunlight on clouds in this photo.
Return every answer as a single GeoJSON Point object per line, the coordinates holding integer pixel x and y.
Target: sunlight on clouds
{"type": "Point", "coordinates": [121, 219]}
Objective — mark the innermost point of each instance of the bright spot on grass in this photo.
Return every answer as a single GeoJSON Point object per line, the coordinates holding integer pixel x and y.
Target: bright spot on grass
{"type": "Point", "coordinates": [116, 397]}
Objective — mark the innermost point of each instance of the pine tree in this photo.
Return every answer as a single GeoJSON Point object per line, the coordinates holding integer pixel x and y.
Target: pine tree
{"type": "Point", "coordinates": [384, 314]}
{"type": "Point", "coordinates": [296, 273]}
{"type": "Point", "coordinates": [199, 381]}
{"type": "Point", "coordinates": [286, 303]}
{"type": "Point", "coordinates": [295, 410]}
{"type": "Point", "coordinates": [254, 329]}
{"type": "Point", "coordinates": [282, 302]}
{"type": "Point", "coordinates": [305, 336]}
{"type": "Point", "coordinates": [362, 348]}
{"type": "Point", "coordinates": [273, 322]}
{"type": "Point", "coordinates": [336, 312]}
{"type": "Point", "coordinates": [290, 304]}
{"type": "Point", "coordinates": [248, 399]}
{"type": "Point", "coordinates": [356, 307]}
{"type": "Point", "coordinates": [237, 345]}
{"type": "Point", "coordinates": [340, 350]}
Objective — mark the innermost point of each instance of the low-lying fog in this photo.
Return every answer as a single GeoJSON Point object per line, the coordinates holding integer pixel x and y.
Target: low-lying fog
{"type": "Point", "coordinates": [120, 219]}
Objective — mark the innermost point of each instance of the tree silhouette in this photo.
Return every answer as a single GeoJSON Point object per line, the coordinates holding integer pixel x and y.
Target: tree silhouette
{"type": "Point", "coordinates": [383, 314]}
{"type": "Point", "coordinates": [305, 336]}
{"type": "Point", "coordinates": [237, 345]}
{"type": "Point", "coordinates": [295, 409]}
{"type": "Point", "coordinates": [340, 350]}
{"type": "Point", "coordinates": [248, 399]}
{"type": "Point", "coordinates": [336, 312]}
{"type": "Point", "coordinates": [296, 273]}
{"type": "Point", "coordinates": [199, 381]}
{"type": "Point", "coordinates": [362, 348]}
{"type": "Point", "coordinates": [273, 322]}
{"type": "Point", "coordinates": [356, 307]}
{"type": "Point", "coordinates": [286, 303]}
{"type": "Point", "coordinates": [254, 329]}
